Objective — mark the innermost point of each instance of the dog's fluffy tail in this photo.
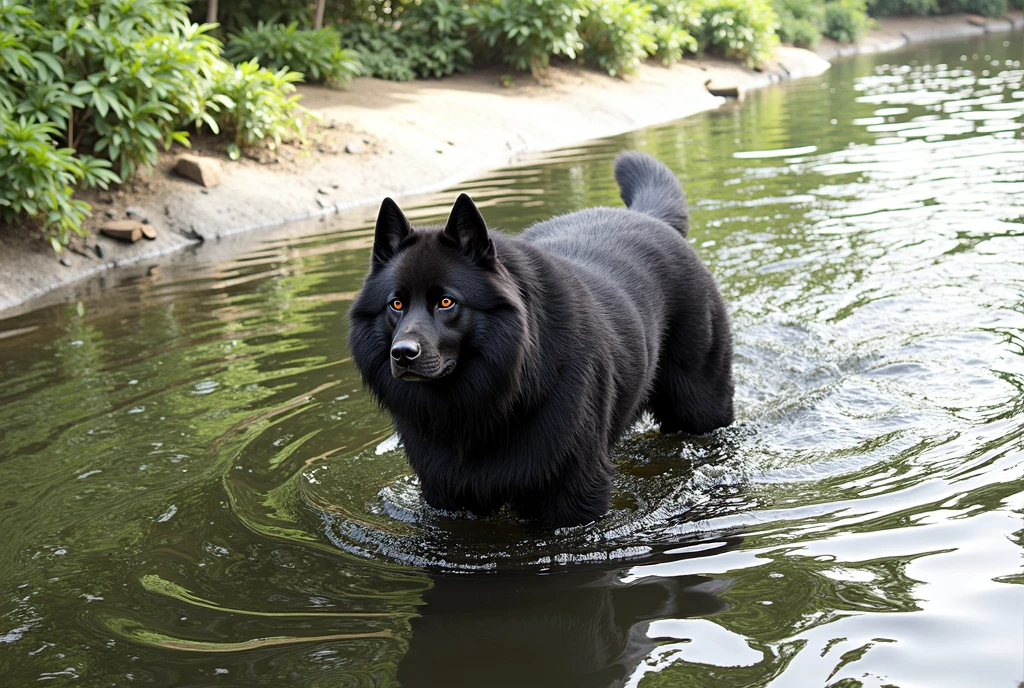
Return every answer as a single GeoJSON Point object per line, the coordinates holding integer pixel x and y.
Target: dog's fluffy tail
{"type": "Point", "coordinates": [649, 187]}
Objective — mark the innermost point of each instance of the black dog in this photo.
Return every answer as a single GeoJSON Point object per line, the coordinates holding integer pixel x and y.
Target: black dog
{"type": "Point", "coordinates": [511, 365]}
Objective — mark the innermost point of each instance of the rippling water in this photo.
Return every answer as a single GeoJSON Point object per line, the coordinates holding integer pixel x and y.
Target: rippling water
{"type": "Point", "coordinates": [195, 490]}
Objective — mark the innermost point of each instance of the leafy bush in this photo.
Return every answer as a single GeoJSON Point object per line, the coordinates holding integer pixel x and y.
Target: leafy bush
{"type": "Point", "coordinates": [845, 20]}
{"type": "Point", "coordinates": [256, 105]}
{"type": "Point", "coordinates": [526, 33]}
{"type": "Point", "coordinates": [428, 41]}
{"type": "Point", "coordinates": [898, 8]}
{"type": "Point", "coordinates": [987, 8]}
{"type": "Point", "coordinates": [382, 52]}
{"type": "Point", "coordinates": [235, 15]}
{"type": "Point", "coordinates": [740, 29]}
{"type": "Point", "coordinates": [111, 79]}
{"type": "Point", "coordinates": [316, 54]}
{"type": "Point", "coordinates": [801, 22]}
{"type": "Point", "coordinates": [674, 23]}
{"type": "Point", "coordinates": [617, 35]}
{"type": "Point", "coordinates": [38, 178]}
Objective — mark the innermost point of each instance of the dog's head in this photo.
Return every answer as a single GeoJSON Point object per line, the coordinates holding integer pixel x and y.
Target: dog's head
{"type": "Point", "coordinates": [437, 307]}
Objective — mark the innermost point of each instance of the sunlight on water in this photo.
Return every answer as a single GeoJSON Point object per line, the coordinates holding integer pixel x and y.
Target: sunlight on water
{"type": "Point", "coordinates": [197, 489]}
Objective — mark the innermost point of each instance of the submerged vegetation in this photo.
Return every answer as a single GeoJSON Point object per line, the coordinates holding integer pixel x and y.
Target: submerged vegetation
{"type": "Point", "coordinates": [91, 91]}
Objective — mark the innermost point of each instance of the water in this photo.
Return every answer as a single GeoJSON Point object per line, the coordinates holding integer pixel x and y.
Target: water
{"type": "Point", "coordinates": [196, 490]}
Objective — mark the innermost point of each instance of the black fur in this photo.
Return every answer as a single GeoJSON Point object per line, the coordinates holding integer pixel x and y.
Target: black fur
{"type": "Point", "coordinates": [555, 342]}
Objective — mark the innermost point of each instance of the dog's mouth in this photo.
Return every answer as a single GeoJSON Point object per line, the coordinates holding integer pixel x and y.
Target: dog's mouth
{"type": "Point", "coordinates": [411, 375]}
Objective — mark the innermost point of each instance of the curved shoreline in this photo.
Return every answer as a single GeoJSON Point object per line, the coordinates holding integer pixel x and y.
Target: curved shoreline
{"type": "Point", "coordinates": [415, 137]}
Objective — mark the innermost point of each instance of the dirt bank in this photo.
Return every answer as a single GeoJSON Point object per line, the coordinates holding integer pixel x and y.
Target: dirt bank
{"type": "Point", "coordinates": [413, 137]}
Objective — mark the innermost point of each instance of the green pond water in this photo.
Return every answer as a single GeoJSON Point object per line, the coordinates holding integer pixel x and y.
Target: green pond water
{"type": "Point", "coordinates": [195, 490]}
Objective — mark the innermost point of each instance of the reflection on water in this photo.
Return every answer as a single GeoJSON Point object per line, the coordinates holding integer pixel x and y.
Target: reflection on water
{"type": "Point", "coordinates": [197, 491]}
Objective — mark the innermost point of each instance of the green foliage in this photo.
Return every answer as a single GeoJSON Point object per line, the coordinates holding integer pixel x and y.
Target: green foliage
{"type": "Point", "coordinates": [801, 22]}
{"type": "Point", "coordinates": [382, 52]}
{"type": "Point", "coordinates": [316, 54]}
{"type": "Point", "coordinates": [429, 41]}
{"type": "Point", "coordinates": [898, 8]}
{"type": "Point", "coordinates": [92, 90]}
{"type": "Point", "coordinates": [235, 15]}
{"type": "Point", "coordinates": [674, 23]}
{"type": "Point", "coordinates": [986, 8]}
{"type": "Point", "coordinates": [38, 178]}
{"type": "Point", "coordinates": [617, 35]}
{"type": "Point", "coordinates": [257, 105]}
{"type": "Point", "coordinates": [739, 29]}
{"type": "Point", "coordinates": [804, 22]}
{"type": "Point", "coordinates": [527, 33]}
{"type": "Point", "coordinates": [845, 20]}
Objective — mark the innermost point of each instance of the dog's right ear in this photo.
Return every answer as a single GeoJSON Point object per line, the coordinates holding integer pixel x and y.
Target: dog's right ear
{"type": "Point", "coordinates": [392, 227]}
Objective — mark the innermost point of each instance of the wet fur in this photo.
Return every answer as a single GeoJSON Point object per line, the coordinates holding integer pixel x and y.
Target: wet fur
{"type": "Point", "coordinates": [564, 335]}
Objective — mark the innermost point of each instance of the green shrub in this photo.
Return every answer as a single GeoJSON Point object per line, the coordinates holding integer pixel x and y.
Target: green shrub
{"type": "Point", "coordinates": [617, 35]}
{"type": "Point", "coordinates": [899, 8]}
{"type": "Point", "coordinates": [429, 41]}
{"type": "Point", "coordinates": [382, 52]}
{"type": "Point", "coordinates": [986, 8]}
{"type": "Point", "coordinates": [740, 29]}
{"type": "Point", "coordinates": [845, 20]}
{"type": "Point", "coordinates": [38, 179]}
{"type": "Point", "coordinates": [258, 105]}
{"type": "Point", "coordinates": [435, 35]}
{"type": "Point", "coordinates": [316, 54]}
{"type": "Point", "coordinates": [801, 22]}
{"type": "Point", "coordinates": [674, 23]}
{"type": "Point", "coordinates": [527, 33]}
{"type": "Point", "coordinates": [91, 90]}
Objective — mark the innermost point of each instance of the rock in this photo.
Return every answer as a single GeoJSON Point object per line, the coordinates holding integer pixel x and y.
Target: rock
{"type": "Point", "coordinates": [133, 213]}
{"type": "Point", "coordinates": [724, 90]}
{"type": "Point", "coordinates": [107, 197]}
{"type": "Point", "coordinates": [354, 148]}
{"type": "Point", "coordinates": [65, 261]}
{"type": "Point", "coordinates": [99, 250]}
{"type": "Point", "coordinates": [111, 215]}
{"type": "Point", "coordinates": [366, 140]}
{"type": "Point", "coordinates": [322, 191]}
{"type": "Point", "coordinates": [124, 230]}
{"type": "Point", "coordinates": [203, 171]}
{"type": "Point", "coordinates": [321, 203]}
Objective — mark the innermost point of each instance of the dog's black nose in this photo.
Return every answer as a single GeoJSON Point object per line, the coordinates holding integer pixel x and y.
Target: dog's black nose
{"type": "Point", "coordinates": [405, 350]}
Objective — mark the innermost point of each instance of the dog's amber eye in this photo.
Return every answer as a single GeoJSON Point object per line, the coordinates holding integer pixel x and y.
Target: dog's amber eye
{"type": "Point", "coordinates": [446, 303]}
{"type": "Point", "coordinates": [397, 305]}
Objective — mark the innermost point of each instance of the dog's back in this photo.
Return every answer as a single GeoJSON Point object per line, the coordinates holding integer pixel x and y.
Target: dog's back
{"type": "Point", "coordinates": [648, 280]}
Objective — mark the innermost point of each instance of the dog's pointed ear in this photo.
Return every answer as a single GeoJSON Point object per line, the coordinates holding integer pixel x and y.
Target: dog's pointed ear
{"type": "Point", "coordinates": [392, 227]}
{"type": "Point", "coordinates": [466, 227]}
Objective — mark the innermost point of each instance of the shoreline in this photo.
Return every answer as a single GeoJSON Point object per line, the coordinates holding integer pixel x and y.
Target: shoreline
{"type": "Point", "coordinates": [411, 138]}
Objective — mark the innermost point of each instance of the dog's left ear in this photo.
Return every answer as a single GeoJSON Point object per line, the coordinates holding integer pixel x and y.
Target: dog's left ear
{"type": "Point", "coordinates": [466, 227]}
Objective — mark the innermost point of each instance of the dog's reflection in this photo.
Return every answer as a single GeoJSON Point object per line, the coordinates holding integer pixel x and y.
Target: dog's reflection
{"type": "Point", "coordinates": [568, 630]}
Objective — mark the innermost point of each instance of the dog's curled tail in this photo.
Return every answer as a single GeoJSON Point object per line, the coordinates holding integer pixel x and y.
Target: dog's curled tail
{"type": "Point", "coordinates": [649, 187]}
